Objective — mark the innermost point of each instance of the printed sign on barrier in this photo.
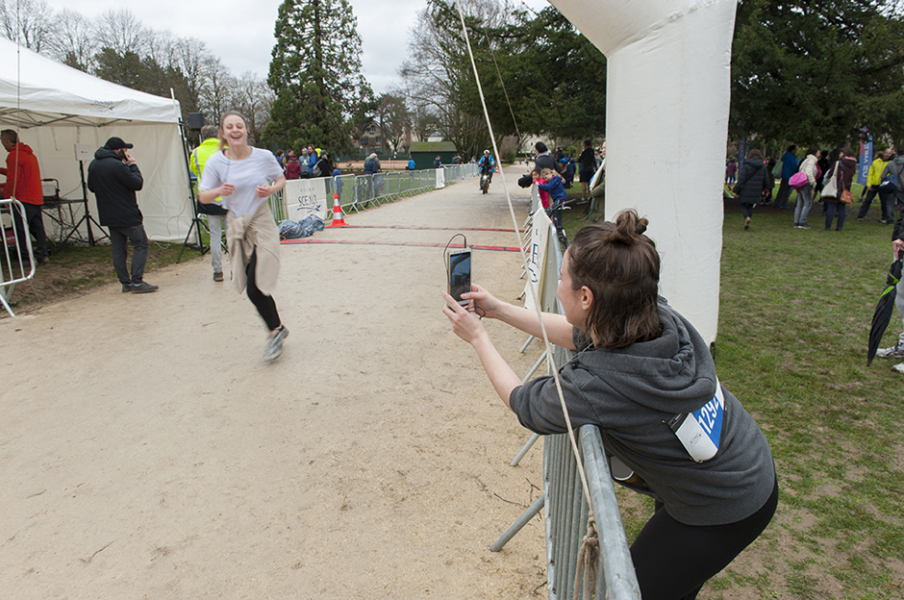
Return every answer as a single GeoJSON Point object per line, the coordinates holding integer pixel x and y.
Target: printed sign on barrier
{"type": "Point", "coordinates": [305, 197]}
{"type": "Point", "coordinates": [536, 260]}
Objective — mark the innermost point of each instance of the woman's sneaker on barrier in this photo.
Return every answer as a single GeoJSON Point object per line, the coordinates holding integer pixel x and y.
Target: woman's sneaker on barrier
{"type": "Point", "coordinates": [896, 351]}
{"type": "Point", "coordinates": [275, 343]}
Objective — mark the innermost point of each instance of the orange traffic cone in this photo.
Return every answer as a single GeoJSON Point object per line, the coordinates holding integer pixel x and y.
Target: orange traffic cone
{"type": "Point", "coordinates": [338, 221]}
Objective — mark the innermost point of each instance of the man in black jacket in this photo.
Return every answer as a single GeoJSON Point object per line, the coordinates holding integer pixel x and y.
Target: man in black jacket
{"type": "Point", "coordinates": [544, 159]}
{"type": "Point", "coordinates": [114, 178]}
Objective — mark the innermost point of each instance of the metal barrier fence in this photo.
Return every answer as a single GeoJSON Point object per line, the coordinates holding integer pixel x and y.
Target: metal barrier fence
{"type": "Point", "coordinates": [453, 173]}
{"type": "Point", "coordinates": [13, 269]}
{"type": "Point", "coordinates": [567, 509]}
{"type": "Point", "coordinates": [567, 512]}
{"type": "Point", "coordinates": [357, 192]}
{"type": "Point", "coordinates": [385, 187]}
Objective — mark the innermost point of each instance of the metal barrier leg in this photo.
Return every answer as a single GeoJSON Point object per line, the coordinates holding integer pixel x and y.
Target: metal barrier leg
{"type": "Point", "coordinates": [535, 367]}
{"type": "Point", "coordinates": [530, 443]}
{"type": "Point", "coordinates": [520, 522]}
{"type": "Point", "coordinates": [6, 304]}
{"type": "Point", "coordinates": [530, 338]}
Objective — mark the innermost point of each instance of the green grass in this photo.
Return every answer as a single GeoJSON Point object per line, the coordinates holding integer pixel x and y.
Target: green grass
{"type": "Point", "coordinates": [795, 313]}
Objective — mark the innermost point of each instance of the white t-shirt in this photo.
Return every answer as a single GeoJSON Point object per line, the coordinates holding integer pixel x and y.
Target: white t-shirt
{"type": "Point", "coordinates": [260, 168]}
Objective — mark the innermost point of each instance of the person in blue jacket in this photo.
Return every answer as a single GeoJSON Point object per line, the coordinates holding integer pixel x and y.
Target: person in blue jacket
{"type": "Point", "coordinates": [486, 165]}
{"type": "Point", "coordinates": [569, 170]}
{"type": "Point", "coordinates": [789, 168]}
{"type": "Point", "coordinates": [313, 157]}
{"type": "Point", "coordinates": [555, 187]}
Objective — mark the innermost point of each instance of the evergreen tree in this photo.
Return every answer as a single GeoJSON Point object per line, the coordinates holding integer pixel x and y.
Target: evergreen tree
{"type": "Point", "coordinates": [315, 74]}
{"type": "Point", "coordinates": [816, 72]}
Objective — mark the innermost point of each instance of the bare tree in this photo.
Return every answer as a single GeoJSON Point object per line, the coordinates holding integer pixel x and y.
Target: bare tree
{"type": "Point", "coordinates": [27, 22]}
{"type": "Point", "coordinates": [161, 47]}
{"type": "Point", "coordinates": [73, 42]}
{"type": "Point", "coordinates": [194, 60]}
{"type": "Point", "coordinates": [393, 119]}
{"type": "Point", "coordinates": [439, 70]}
{"type": "Point", "coordinates": [217, 95]}
{"type": "Point", "coordinates": [121, 32]}
{"type": "Point", "coordinates": [253, 98]}
{"type": "Point", "coordinates": [424, 121]}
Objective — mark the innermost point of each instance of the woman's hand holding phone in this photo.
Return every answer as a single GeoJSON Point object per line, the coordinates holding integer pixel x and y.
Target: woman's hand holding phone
{"type": "Point", "coordinates": [465, 323]}
{"type": "Point", "coordinates": [483, 302]}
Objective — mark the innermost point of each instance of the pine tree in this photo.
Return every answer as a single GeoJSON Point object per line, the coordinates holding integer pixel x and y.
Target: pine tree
{"type": "Point", "coordinates": [315, 73]}
{"type": "Point", "coordinates": [809, 72]}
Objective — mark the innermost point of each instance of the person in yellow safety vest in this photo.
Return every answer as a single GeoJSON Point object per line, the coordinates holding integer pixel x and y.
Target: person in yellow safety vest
{"type": "Point", "coordinates": [216, 214]}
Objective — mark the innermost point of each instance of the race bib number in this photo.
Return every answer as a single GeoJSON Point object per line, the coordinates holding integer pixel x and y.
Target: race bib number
{"type": "Point", "coordinates": [700, 431]}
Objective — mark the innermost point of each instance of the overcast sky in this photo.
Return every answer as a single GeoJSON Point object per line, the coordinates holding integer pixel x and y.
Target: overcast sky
{"type": "Point", "coordinates": [240, 32]}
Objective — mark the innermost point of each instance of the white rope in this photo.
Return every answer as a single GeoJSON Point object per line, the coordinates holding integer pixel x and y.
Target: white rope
{"type": "Point", "coordinates": [533, 292]}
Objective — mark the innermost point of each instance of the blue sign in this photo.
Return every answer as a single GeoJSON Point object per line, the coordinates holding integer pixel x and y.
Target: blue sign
{"type": "Point", "coordinates": [866, 156]}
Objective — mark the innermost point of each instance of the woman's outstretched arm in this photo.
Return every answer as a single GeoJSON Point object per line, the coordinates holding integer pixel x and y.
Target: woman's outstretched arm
{"type": "Point", "coordinates": [558, 328]}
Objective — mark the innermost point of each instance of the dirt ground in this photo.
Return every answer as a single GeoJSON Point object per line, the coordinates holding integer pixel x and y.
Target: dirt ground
{"type": "Point", "coordinates": [147, 451]}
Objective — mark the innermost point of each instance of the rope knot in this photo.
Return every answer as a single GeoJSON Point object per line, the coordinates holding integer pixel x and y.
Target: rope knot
{"type": "Point", "coordinates": [588, 558]}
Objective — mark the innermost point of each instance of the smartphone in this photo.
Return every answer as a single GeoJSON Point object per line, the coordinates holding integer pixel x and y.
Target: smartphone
{"type": "Point", "coordinates": [460, 274]}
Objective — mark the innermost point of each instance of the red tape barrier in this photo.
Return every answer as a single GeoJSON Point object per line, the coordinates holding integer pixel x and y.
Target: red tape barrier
{"type": "Point", "coordinates": [419, 244]}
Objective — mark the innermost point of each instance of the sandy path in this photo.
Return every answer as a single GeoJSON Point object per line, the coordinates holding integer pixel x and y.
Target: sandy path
{"type": "Point", "coordinates": [146, 451]}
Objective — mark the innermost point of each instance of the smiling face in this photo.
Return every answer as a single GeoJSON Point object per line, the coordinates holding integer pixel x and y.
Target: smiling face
{"type": "Point", "coordinates": [234, 131]}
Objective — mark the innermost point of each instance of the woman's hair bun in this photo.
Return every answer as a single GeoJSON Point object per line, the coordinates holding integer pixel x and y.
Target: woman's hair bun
{"type": "Point", "coordinates": [628, 227]}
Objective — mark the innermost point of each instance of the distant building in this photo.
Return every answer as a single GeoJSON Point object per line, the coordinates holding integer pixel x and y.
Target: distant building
{"type": "Point", "coordinates": [369, 138]}
{"type": "Point", "coordinates": [424, 153]}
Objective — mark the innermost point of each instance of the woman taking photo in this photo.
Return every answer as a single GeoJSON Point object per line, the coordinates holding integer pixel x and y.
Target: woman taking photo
{"type": "Point", "coordinates": [641, 372]}
{"type": "Point", "coordinates": [244, 177]}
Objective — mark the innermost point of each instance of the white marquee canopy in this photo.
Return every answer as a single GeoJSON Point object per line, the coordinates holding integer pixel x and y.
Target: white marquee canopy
{"type": "Point", "coordinates": [54, 108]}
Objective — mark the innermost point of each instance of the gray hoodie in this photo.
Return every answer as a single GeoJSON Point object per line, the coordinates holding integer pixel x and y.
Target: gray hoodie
{"type": "Point", "coordinates": [631, 394]}
{"type": "Point", "coordinates": [894, 167]}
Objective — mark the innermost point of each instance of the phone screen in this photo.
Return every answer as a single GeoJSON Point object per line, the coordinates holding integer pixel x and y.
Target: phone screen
{"type": "Point", "coordinates": [459, 274]}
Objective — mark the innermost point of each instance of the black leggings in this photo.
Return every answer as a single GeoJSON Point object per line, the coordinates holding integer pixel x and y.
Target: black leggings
{"type": "Point", "coordinates": [673, 560]}
{"type": "Point", "coordinates": [265, 304]}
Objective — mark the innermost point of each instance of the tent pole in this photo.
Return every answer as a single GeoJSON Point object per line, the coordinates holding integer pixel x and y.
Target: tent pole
{"type": "Point", "coordinates": [196, 213]}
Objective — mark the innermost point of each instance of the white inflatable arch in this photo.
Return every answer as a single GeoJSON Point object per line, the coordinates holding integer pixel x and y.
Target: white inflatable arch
{"type": "Point", "coordinates": [667, 103]}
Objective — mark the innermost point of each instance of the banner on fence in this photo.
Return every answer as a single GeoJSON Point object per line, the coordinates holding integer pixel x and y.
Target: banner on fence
{"type": "Point", "coordinates": [440, 178]}
{"type": "Point", "coordinates": [305, 197]}
{"type": "Point", "coordinates": [536, 261]}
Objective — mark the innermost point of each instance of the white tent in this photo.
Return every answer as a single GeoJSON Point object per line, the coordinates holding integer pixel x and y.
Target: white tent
{"type": "Point", "coordinates": [668, 89]}
{"type": "Point", "coordinates": [54, 108]}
